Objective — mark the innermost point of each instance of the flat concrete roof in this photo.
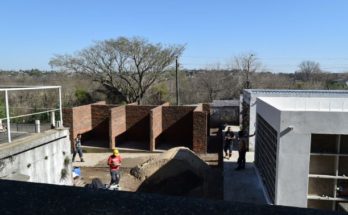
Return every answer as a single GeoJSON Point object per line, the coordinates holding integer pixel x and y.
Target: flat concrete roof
{"type": "Point", "coordinates": [291, 91]}
{"type": "Point", "coordinates": [307, 104]}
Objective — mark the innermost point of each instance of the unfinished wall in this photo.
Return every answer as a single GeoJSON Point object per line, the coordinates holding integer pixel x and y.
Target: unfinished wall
{"type": "Point", "coordinates": [177, 126]}
{"type": "Point", "coordinates": [108, 125]}
{"type": "Point", "coordinates": [100, 120]}
{"type": "Point", "coordinates": [156, 125]}
{"type": "Point", "coordinates": [138, 123]}
{"type": "Point", "coordinates": [90, 120]}
{"type": "Point", "coordinates": [78, 119]}
{"type": "Point", "coordinates": [117, 124]}
{"type": "Point", "coordinates": [199, 126]}
{"type": "Point", "coordinates": [137, 114]}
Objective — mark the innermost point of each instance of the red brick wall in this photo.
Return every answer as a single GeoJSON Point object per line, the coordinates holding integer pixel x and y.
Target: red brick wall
{"type": "Point", "coordinates": [100, 123]}
{"type": "Point", "coordinates": [199, 139]}
{"type": "Point", "coordinates": [155, 126]}
{"type": "Point", "coordinates": [177, 125]}
{"type": "Point", "coordinates": [138, 123]}
{"type": "Point", "coordinates": [68, 118]}
{"type": "Point", "coordinates": [206, 108]}
{"type": "Point", "coordinates": [117, 123]}
{"type": "Point", "coordinates": [82, 120]}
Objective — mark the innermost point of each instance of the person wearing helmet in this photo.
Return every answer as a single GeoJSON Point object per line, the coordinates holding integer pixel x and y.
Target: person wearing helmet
{"type": "Point", "coordinates": [114, 162]}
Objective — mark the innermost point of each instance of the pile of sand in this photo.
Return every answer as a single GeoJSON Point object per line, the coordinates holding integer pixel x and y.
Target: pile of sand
{"type": "Point", "coordinates": [177, 171]}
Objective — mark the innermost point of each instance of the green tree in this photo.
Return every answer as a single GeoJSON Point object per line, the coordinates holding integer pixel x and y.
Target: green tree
{"type": "Point", "coordinates": [83, 97]}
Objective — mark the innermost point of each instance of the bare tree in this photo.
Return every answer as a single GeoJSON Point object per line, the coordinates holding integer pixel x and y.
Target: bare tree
{"type": "Point", "coordinates": [126, 68]}
{"type": "Point", "coordinates": [211, 83]}
{"type": "Point", "coordinates": [308, 70]}
{"type": "Point", "coordinates": [247, 64]}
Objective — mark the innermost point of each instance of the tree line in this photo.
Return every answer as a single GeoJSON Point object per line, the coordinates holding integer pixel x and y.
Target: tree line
{"type": "Point", "coordinates": [126, 70]}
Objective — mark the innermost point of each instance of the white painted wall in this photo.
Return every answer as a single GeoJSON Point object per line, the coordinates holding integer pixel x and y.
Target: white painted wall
{"type": "Point", "coordinates": [250, 97]}
{"type": "Point", "coordinates": [38, 158]}
{"type": "Point", "coordinates": [293, 154]}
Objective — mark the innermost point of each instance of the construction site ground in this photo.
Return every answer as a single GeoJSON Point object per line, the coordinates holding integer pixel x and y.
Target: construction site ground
{"type": "Point", "coordinates": [95, 166]}
{"type": "Point", "coordinates": [229, 184]}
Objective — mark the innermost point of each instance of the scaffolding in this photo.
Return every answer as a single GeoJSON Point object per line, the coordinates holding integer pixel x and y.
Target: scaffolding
{"type": "Point", "coordinates": [8, 90]}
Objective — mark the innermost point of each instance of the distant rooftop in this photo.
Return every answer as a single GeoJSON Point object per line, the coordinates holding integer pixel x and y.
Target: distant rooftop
{"type": "Point", "coordinates": [308, 103]}
{"type": "Point", "coordinates": [223, 103]}
{"type": "Point", "coordinates": [291, 91]}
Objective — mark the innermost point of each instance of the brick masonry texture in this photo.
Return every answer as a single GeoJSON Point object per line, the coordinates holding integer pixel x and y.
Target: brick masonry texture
{"type": "Point", "coordinates": [138, 123]}
{"type": "Point", "coordinates": [200, 127]}
{"type": "Point", "coordinates": [182, 125]}
{"type": "Point", "coordinates": [177, 125]}
{"type": "Point", "coordinates": [155, 126]}
{"type": "Point", "coordinates": [117, 123]}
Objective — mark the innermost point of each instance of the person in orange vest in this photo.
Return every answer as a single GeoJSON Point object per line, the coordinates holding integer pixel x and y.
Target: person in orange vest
{"type": "Point", "coordinates": [114, 162]}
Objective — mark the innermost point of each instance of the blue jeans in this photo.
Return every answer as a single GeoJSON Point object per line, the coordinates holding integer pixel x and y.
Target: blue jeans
{"type": "Point", "coordinates": [115, 176]}
{"type": "Point", "coordinates": [78, 150]}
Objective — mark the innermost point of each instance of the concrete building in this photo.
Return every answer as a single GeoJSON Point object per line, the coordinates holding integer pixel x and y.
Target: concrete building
{"type": "Point", "coordinates": [250, 96]}
{"type": "Point", "coordinates": [302, 150]}
{"type": "Point", "coordinates": [224, 111]}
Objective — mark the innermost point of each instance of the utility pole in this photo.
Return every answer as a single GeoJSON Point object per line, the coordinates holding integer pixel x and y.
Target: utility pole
{"type": "Point", "coordinates": [176, 80]}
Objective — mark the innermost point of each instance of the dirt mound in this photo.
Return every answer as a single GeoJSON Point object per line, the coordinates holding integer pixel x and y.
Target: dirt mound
{"type": "Point", "coordinates": [176, 172]}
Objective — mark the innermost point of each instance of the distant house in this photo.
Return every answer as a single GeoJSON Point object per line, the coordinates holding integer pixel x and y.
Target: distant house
{"type": "Point", "coordinates": [224, 111]}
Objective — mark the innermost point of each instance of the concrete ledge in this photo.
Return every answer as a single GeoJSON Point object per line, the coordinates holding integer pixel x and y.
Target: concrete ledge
{"type": "Point", "coordinates": [30, 142]}
{"type": "Point", "coordinates": [31, 198]}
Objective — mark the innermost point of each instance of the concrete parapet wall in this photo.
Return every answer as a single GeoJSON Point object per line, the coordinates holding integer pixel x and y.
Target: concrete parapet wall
{"type": "Point", "coordinates": [42, 158]}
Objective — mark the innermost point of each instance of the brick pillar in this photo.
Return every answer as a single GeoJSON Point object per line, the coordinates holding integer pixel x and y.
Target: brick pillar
{"type": "Point", "coordinates": [199, 142]}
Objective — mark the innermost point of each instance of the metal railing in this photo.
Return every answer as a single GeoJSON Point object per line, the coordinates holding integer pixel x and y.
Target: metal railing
{"type": "Point", "coordinates": [8, 118]}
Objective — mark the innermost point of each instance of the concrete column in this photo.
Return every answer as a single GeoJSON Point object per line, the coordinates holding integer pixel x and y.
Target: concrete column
{"type": "Point", "coordinates": [53, 118]}
{"type": "Point", "coordinates": [37, 126]}
{"type": "Point", "coordinates": [58, 124]}
{"type": "Point", "coordinates": [8, 117]}
{"type": "Point", "coordinates": [60, 106]}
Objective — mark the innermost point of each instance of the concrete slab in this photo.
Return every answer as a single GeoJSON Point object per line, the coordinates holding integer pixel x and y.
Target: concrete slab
{"type": "Point", "coordinates": [242, 185]}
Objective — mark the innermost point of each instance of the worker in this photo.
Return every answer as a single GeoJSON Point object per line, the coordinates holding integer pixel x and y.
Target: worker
{"type": "Point", "coordinates": [77, 148]}
{"type": "Point", "coordinates": [114, 163]}
{"type": "Point", "coordinates": [229, 137]}
{"type": "Point", "coordinates": [242, 148]}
